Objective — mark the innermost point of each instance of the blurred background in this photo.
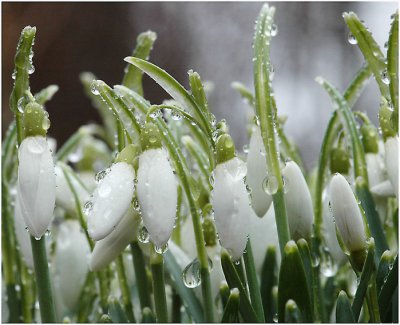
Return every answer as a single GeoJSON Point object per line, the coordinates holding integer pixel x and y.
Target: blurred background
{"type": "Point", "coordinates": [214, 39]}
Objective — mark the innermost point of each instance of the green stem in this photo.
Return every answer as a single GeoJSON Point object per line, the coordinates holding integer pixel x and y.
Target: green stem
{"type": "Point", "coordinates": [125, 292]}
{"type": "Point", "coordinates": [141, 276]}
{"type": "Point", "coordinates": [176, 307]}
{"type": "Point", "coordinates": [42, 275]}
{"type": "Point", "coordinates": [160, 300]}
{"type": "Point", "coordinates": [372, 301]}
{"type": "Point", "coordinates": [254, 287]}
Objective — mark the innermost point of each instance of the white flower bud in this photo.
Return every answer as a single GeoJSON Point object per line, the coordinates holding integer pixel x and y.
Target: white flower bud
{"type": "Point", "coordinates": [299, 208]}
{"type": "Point", "coordinates": [157, 194]}
{"type": "Point", "coordinates": [231, 206]}
{"type": "Point", "coordinates": [36, 184]}
{"type": "Point", "coordinates": [23, 237]}
{"type": "Point", "coordinates": [392, 162]}
{"type": "Point", "coordinates": [347, 214]}
{"type": "Point", "coordinates": [71, 261]}
{"type": "Point", "coordinates": [64, 196]}
{"type": "Point", "coordinates": [256, 173]}
{"type": "Point", "coordinates": [107, 249]}
{"type": "Point", "coordinates": [111, 199]}
{"type": "Point", "coordinates": [383, 189]}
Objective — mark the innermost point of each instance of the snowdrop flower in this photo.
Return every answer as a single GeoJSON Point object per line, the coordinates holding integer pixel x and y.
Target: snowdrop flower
{"type": "Point", "coordinates": [348, 219]}
{"type": "Point", "coordinates": [256, 173]}
{"type": "Point", "coordinates": [156, 188]}
{"type": "Point", "coordinates": [299, 208]}
{"type": "Point", "coordinates": [391, 160]}
{"type": "Point", "coordinates": [64, 196]}
{"type": "Point", "coordinates": [72, 250]}
{"type": "Point", "coordinates": [107, 249]}
{"type": "Point", "coordinates": [113, 195]}
{"type": "Point", "coordinates": [23, 237]}
{"type": "Point", "coordinates": [36, 178]}
{"type": "Point", "coordinates": [230, 198]}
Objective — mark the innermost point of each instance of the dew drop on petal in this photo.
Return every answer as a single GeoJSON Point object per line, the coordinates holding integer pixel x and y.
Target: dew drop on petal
{"type": "Point", "coordinates": [87, 208]}
{"type": "Point", "coordinates": [100, 175]}
{"type": "Point", "coordinates": [46, 123]}
{"type": "Point", "coordinates": [143, 234]}
{"type": "Point", "coordinates": [161, 249]}
{"type": "Point", "coordinates": [285, 184]}
{"type": "Point", "coordinates": [385, 77]}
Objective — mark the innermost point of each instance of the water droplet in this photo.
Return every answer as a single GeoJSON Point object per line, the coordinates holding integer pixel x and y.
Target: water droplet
{"type": "Point", "coordinates": [275, 318]}
{"type": "Point", "coordinates": [155, 114]}
{"type": "Point", "coordinates": [14, 74]}
{"type": "Point", "coordinates": [315, 260]}
{"type": "Point", "coordinates": [274, 30]}
{"type": "Point", "coordinates": [87, 208]}
{"type": "Point", "coordinates": [237, 262]}
{"type": "Point", "coordinates": [271, 72]}
{"type": "Point", "coordinates": [270, 185]}
{"type": "Point", "coordinates": [328, 266]}
{"type": "Point", "coordinates": [213, 119]}
{"type": "Point", "coordinates": [31, 68]}
{"type": "Point", "coordinates": [94, 89]}
{"type": "Point", "coordinates": [285, 184]}
{"type": "Point", "coordinates": [385, 77]}
{"type": "Point", "coordinates": [20, 104]}
{"type": "Point", "coordinates": [143, 234]}
{"type": "Point", "coordinates": [48, 232]}
{"type": "Point", "coordinates": [191, 275]}
{"type": "Point", "coordinates": [176, 116]}
{"type": "Point", "coordinates": [246, 148]}
{"type": "Point", "coordinates": [211, 179]}
{"type": "Point", "coordinates": [352, 40]}
{"type": "Point", "coordinates": [17, 288]}
{"type": "Point", "coordinates": [38, 238]}
{"type": "Point", "coordinates": [153, 139]}
{"type": "Point", "coordinates": [161, 249]}
{"type": "Point", "coordinates": [27, 229]}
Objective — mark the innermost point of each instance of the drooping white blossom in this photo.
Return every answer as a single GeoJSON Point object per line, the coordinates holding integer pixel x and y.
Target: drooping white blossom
{"type": "Point", "coordinates": [111, 200]}
{"type": "Point", "coordinates": [36, 184]}
{"type": "Point", "coordinates": [231, 206]}
{"type": "Point", "coordinates": [392, 162]}
{"type": "Point", "coordinates": [347, 214]}
{"type": "Point", "coordinates": [299, 208]}
{"type": "Point", "coordinates": [72, 251]}
{"type": "Point", "coordinates": [256, 173]}
{"type": "Point", "coordinates": [107, 249]}
{"type": "Point", "coordinates": [157, 194]}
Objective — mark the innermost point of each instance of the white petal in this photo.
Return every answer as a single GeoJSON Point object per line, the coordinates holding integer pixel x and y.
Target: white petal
{"type": "Point", "coordinates": [157, 194]}
{"type": "Point", "coordinates": [329, 229]}
{"type": "Point", "coordinates": [263, 233]}
{"type": "Point", "coordinates": [107, 249]}
{"type": "Point", "coordinates": [299, 208]}
{"type": "Point", "coordinates": [71, 261]}
{"type": "Point", "coordinates": [392, 162]}
{"type": "Point", "coordinates": [231, 208]}
{"type": "Point", "coordinates": [111, 200]}
{"type": "Point", "coordinates": [256, 173]}
{"type": "Point", "coordinates": [347, 214]}
{"type": "Point", "coordinates": [64, 195]}
{"type": "Point", "coordinates": [383, 189]}
{"type": "Point", "coordinates": [375, 169]}
{"type": "Point", "coordinates": [36, 184]}
{"type": "Point", "coordinates": [23, 237]}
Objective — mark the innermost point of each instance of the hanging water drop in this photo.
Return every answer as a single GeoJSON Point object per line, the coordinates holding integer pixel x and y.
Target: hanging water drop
{"type": "Point", "coordinates": [143, 234]}
{"type": "Point", "coordinates": [385, 77]}
{"type": "Point", "coordinates": [351, 39]}
{"type": "Point", "coordinates": [14, 74]}
{"type": "Point", "coordinates": [161, 249]}
{"type": "Point", "coordinates": [176, 116]}
{"type": "Point", "coordinates": [270, 185]}
{"type": "Point", "coordinates": [191, 274]}
{"type": "Point", "coordinates": [20, 105]}
{"type": "Point", "coordinates": [274, 30]}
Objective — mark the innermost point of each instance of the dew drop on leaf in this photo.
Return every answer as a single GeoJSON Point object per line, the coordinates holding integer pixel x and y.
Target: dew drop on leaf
{"type": "Point", "coordinates": [352, 40]}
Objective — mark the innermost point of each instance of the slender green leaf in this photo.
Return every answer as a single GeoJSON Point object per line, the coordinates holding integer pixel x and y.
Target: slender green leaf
{"type": "Point", "coordinates": [46, 94]}
{"type": "Point", "coordinates": [172, 87]}
{"type": "Point", "coordinates": [388, 288]}
{"type": "Point", "coordinates": [268, 281]}
{"type": "Point", "coordinates": [293, 284]}
{"type": "Point", "coordinates": [384, 266]}
{"type": "Point", "coordinates": [344, 314]}
{"type": "Point", "coordinates": [231, 276]}
{"type": "Point", "coordinates": [224, 293]}
{"type": "Point", "coordinates": [244, 92]}
{"type": "Point", "coordinates": [369, 48]}
{"type": "Point", "coordinates": [393, 67]}
{"type": "Point", "coordinates": [133, 76]}
{"type": "Point", "coordinates": [365, 276]}
{"type": "Point", "coordinates": [187, 295]}
{"type": "Point", "coordinates": [231, 311]}
{"type": "Point", "coordinates": [199, 94]}
{"type": "Point", "coordinates": [116, 312]}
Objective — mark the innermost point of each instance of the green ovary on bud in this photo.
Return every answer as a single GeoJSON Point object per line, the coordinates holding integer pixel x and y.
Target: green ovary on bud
{"type": "Point", "coordinates": [150, 137]}
{"type": "Point", "coordinates": [36, 120]}
{"type": "Point", "coordinates": [225, 148]}
{"type": "Point", "coordinates": [386, 120]}
{"type": "Point", "coordinates": [370, 138]}
{"type": "Point", "coordinates": [128, 155]}
{"type": "Point", "coordinates": [209, 231]}
{"type": "Point", "coordinates": [339, 161]}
